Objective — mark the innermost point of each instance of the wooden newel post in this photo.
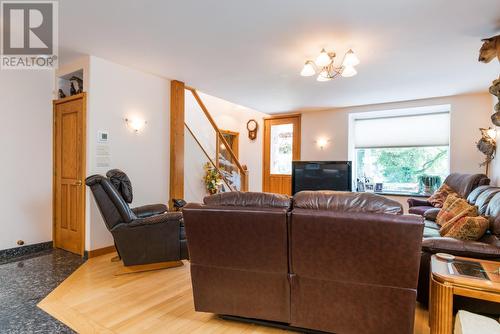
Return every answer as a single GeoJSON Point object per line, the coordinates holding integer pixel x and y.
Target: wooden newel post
{"type": "Point", "coordinates": [176, 189]}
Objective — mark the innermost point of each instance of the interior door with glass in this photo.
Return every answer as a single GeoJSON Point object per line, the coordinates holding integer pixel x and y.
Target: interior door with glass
{"type": "Point", "coordinates": [281, 147]}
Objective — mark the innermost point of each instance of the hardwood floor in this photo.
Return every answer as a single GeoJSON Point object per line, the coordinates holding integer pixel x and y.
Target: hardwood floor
{"type": "Point", "coordinates": [94, 300]}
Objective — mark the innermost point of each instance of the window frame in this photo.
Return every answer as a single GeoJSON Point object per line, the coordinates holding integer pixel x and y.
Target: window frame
{"type": "Point", "coordinates": [401, 112]}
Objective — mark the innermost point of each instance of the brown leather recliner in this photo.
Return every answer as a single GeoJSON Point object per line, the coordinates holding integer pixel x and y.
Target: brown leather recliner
{"type": "Point", "coordinates": [463, 184]}
{"type": "Point", "coordinates": [487, 200]}
{"type": "Point", "coordinates": [329, 264]}
{"type": "Point", "coordinates": [143, 235]}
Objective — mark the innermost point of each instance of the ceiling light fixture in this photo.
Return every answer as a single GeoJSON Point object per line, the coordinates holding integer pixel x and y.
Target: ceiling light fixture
{"type": "Point", "coordinates": [324, 66]}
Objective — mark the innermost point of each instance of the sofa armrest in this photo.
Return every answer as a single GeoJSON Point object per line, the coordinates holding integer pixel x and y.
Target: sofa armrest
{"type": "Point", "coordinates": [169, 217]}
{"type": "Point", "coordinates": [457, 247]}
{"type": "Point", "coordinates": [418, 202]}
{"type": "Point", "coordinates": [149, 210]}
{"type": "Point", "coordinates": [431, 214]}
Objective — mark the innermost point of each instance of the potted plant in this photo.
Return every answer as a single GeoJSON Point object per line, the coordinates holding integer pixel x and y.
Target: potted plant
{"type": "Point", "coordinates": [213, 180]}
{"type": "Point", "coordinates": [428, 183]}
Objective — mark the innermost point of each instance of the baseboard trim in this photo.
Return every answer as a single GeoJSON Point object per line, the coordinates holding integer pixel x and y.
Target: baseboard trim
{"type": "Point", "coordinates": [101, 251]}
{"type": "Point", "coordinates": [11, 254]}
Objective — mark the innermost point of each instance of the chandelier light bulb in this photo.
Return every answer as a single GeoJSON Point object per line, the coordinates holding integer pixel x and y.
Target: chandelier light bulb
{"type": "Point", "coordinates": [349, 71]}
{"type": "Point", "coordinates": [492, 133]}
{"type": "Point", "coordinates": [308, 69]}
{"type": "Point", "coordinates": [350, 59]}
{"type": "Point", "coordinates": [323, 59]}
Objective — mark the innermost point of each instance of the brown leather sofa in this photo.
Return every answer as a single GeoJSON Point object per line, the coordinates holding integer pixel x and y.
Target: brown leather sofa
{"type": "Point", "coordinates": [463, 184]}
{"type": "Point", "coordinates": [326, 262]}
{"type": "Point", "coordinates": [487, 199]}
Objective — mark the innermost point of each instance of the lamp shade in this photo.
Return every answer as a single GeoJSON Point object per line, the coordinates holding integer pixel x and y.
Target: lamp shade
{"type": "Point", "coordinates": [323, 76]}
{"type": "Point", "coordinates": [349, 71]}
{"type": "Point", "coordinates": [323, 59]}
{"type": "Point", "coordinates": [350, 59]}
{"type": "Point", "coordinates": [308, 69]}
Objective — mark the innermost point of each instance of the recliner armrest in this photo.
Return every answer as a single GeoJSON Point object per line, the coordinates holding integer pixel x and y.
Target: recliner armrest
{"type": "Point", "coordinates": [149, 210]}
{"type": "Point", "coordinates": [458, 247]}
{"type": "Point", "coordinates": [418, 202]}
{"type": "Point", "coordinates": [169, 217]}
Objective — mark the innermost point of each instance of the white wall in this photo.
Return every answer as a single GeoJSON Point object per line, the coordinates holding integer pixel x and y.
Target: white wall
{"type": "Point", "coordinates": [115, 93]}
{"type": "Point", "coordinates": [495, 164]}
{"type": "Point", "coordinates": [26, 168]}
{"type": "Point", "coordinates": [468, 113]}
{"type": "Point", "coordinates": [227, 116]}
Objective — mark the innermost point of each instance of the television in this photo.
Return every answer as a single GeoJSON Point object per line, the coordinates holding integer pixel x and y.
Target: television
{"type": "Point", "coordinates": [321, 175]}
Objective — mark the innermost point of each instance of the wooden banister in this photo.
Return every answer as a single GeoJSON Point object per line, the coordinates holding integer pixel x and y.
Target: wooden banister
{"type": "Point", "coordinates": [243, 171]}
{"type": "Point", "coordinates": [208, 157]}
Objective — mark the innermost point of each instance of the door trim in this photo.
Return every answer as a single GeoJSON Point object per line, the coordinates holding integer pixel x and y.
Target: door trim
{"type": "Point", "coordinates": [296, 147]}
{"type": "Point", "coordinates": [83, 198]}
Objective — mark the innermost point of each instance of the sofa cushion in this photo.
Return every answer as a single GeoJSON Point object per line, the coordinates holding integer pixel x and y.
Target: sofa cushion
{"type": "Point", "coordinates": [453, 209]}
{"type": "Point", "coordinates": [440, 195]}
{"type": "Point", "coordinates": [248, 199]}
{"type": "Point", "coordinates": [463, 184]}
{"type": "Point", "coordinates": [431, 214]}
{"type": "Point", "coordinates": [346, 201]}
{"type": "Point", "coordinates": [493, 213]}
{"type": "Point", "coordinates": [431, 233]}
{"type": "Point", "coordinates": [466, 228]}
{"type": "Point", "coordinates": [431, 225]}
{"type": "Point", "coordinates": [483, 199]}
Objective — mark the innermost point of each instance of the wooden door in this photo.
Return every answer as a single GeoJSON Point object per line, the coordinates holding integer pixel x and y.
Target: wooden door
{"type": "Point", "coordinates": [281, 147]}
{"type": "Point", "coordinates": [69, 173]}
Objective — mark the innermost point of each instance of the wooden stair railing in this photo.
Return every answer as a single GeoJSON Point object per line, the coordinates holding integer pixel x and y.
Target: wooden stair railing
{"type": "Point", "coordinates": [208, 157]}
{"type": "Point", "coordinates": [243, 170]}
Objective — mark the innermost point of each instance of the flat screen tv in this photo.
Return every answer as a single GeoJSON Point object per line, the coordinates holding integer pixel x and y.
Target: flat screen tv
{"type": "Point", "coordinates": [321, 175]}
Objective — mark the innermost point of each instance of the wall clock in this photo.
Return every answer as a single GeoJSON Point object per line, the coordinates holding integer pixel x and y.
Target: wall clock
{"type": "Point", "coordinates": [252, 127]}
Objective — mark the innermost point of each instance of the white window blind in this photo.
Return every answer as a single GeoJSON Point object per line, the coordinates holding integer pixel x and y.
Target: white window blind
{"type": "Point", "coordinates": [432, 129]}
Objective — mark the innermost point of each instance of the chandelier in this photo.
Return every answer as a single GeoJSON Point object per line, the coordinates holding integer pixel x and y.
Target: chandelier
{"type": "Point", "coordinates": [324, 66]}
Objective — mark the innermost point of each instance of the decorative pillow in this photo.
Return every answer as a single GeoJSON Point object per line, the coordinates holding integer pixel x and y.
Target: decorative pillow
{"type": "Point", "coordinates": [437, 199]}
{"type": "Point", "coordinates": [455, 208]}
{"type": "Point", "coordinates": [466, 228]}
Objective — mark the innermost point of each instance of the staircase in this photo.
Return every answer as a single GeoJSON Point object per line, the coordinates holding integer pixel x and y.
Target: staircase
{"type": "Point", "coordinates": [208, 144]}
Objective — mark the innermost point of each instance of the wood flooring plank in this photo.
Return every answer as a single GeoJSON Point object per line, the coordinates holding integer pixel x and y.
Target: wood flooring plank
{"type": "Point", "coordinates": [94, 300]}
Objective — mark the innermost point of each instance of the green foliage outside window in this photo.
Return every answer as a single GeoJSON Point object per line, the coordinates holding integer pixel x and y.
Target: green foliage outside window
{"type": "Point", "coordinates": [402, 167]}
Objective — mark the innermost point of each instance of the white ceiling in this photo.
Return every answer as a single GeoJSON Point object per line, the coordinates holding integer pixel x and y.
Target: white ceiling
{"type": "Point", "coordinates": [251, 52]}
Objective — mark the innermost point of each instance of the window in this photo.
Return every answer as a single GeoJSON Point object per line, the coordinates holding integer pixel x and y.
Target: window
{"type": "Point", "coordinates": [281, 149]}
{"type": "Point", "coordinates": [397, 148]}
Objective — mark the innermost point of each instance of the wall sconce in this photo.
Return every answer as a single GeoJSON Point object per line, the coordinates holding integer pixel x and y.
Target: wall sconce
{"type": "Point", "coordinates": [322, 142]}
{"type": "Point", "coordinates": [135, 124]}
{"type": "Point", "coordinates": [492, 133]}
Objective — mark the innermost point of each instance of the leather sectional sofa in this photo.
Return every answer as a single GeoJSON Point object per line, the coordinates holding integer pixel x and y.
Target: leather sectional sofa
{"type": "Point", "coordinates": [463, 184]}
{"type": "Point", "coordinates": [327, 261]}
{"type": "Point", "coordinates": [487, 199]}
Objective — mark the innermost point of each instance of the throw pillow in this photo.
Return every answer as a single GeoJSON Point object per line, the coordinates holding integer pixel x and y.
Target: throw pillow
{"type": "Point", "coordinates": [466, 228]}
{"type": "Point", "coordinates": [455, 208]}
{"type": "Point", "coordinates": [437, 199]}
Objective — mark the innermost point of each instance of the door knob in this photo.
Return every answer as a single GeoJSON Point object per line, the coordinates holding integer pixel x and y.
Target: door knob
{"type": "Point", "coordinates": [78, 183]}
